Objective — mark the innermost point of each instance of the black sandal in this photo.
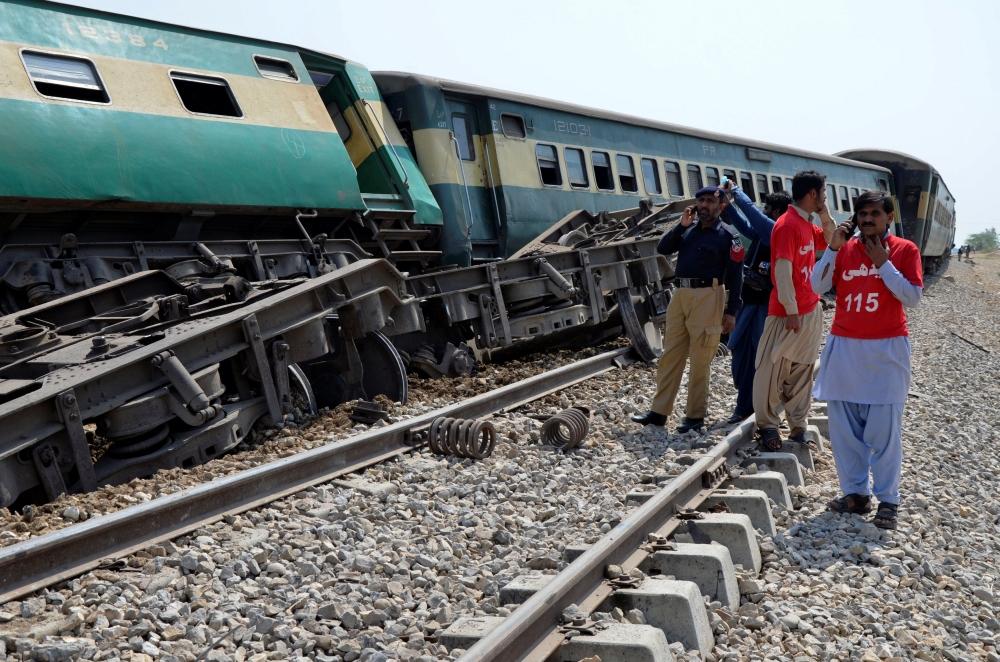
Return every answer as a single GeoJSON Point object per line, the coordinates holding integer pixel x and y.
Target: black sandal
{"type": "Point", "coordinates": [859, 504]}
{"type": "Point", "coordinates": [885, 516]}
{"type": "Point", "coordinates": [798, 436]}
{"type": "Point", "coordinates": [770, 439]}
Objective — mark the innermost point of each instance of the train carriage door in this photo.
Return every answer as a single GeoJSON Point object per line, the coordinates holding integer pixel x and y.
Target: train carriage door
{"type": "Point", "coordinates": [472, 193]}
{"type": "Point", "coordinates": [374, 175]}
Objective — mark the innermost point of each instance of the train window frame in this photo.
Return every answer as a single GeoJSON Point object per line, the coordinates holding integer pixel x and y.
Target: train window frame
{"type": "Point", "coordinates": [679, 180]}
{"type": "Point", "coordinates": [99, 85]}
{"type": "Point", "coordinates": [469, 140]}
{"type": "Point", "coordinates": [694, 168]}
{"type": "Point", "coordinates": [883, 184]}
{"type": "Point", "coordinates": [186, 76]}
{"type": "Point", "coordinates": [291, 77]}
{"type": "Point", "coordinates": [831, 195]}
{"type": "Point", "coordinates": [845, 200]}
{"type": "Point", "coordinates": [788, 185]}
{"type": "Point", "coordinates": [709, 176]}
{"type": "Point", "coordinates": [777, 186]}
{"type": "Point", "coordinates": [763, 190]}
{"type": "Point", "coordinates": [730, 174]}
{"type": "Point", "coordinates": [583, 168]}
{"type": "Point", "coordinates": [607, 164]}
{"type": "Point", "coordinates": [554, 159]}
{"type": "Point", "coordinates": [631, 165]}
{"type": "Point", "coordinates": [519, 119]}
{"type": "Point", "coordinates": [855, 194]}
{"type": "Point", "coordinates": [643, 162]}
{"type": "Point", "coordinates": [746, 183]}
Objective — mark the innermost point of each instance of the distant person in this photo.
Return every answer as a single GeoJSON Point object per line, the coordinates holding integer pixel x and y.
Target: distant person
{"type": "Point", "coordinates": [864, 373]}
{"type": "Point", "coordinates": [704, 305]}
{"type": "Point", "coordinates": [794, 325]}
{"type": "Point", "coordinates": [756, 226]}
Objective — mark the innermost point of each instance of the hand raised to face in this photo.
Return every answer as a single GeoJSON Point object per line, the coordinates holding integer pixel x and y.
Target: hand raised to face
{"type": "Point", "coordinates": [876, 250]}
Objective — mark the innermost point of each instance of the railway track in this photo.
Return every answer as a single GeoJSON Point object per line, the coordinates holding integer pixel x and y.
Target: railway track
{"type": "Point", "coordinates": [48, 559]}
{"type": "Point", "coordinates": [715, 500]}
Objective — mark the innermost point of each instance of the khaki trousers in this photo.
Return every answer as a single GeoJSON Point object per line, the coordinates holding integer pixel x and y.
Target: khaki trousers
{"type": "Point", "coordinates": [781, 380]}
{"type": "Point", "coordinates": [692, 330]}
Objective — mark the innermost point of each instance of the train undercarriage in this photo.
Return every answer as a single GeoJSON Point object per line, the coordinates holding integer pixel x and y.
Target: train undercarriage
{"type": "Point", "coordinates": [179, 351]}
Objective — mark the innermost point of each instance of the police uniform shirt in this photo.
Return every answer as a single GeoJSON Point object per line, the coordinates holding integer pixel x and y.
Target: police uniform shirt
{"type": "Point", "coordinates": [707, 253]}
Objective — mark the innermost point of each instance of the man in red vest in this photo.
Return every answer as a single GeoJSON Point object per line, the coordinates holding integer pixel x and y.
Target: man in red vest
{"type": "Point", "coordinates": [794, 325]}
{"type": "Point", "coordinates": [864, 372]}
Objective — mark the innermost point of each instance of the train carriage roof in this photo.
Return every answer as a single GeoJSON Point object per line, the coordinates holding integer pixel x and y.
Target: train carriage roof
{"type": "Point", "coordinates": [902, 159]}
{"type": "Point", "coordinates": [127, 18]}
{"type": "Point", "coordinates": [465, 88]}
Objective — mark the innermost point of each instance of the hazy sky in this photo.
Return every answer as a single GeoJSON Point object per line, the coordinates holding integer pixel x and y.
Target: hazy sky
{"type": "Point", "coordinates": [916, 76]}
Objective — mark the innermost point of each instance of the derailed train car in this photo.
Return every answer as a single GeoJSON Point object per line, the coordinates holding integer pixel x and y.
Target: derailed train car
{"type": "Point", "coordinates": [503, 164]}
{"type": "Point", "coordinates": [130, 144]}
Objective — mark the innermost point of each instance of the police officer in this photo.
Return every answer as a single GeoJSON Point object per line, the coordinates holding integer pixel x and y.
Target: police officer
{"type": "Point", "coordinates": [708, 279]}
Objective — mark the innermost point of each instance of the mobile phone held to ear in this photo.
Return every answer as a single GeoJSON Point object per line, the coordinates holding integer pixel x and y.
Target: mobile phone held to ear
{"type": "Point", "coordinates": [853, 228]}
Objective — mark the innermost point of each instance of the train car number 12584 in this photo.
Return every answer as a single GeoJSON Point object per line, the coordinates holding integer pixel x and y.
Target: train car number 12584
{"type": "Point", "coordinates": [114, 36]}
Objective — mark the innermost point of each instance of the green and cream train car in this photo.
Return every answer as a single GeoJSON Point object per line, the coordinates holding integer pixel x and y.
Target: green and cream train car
{"type": "Point", "coordinates": [504, 166]}
{"type": "Point", "coordinates": [117, 129]}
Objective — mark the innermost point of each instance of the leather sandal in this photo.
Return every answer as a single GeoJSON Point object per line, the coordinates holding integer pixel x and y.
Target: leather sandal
{"type": "Point", "coordinates": [859, 504]}
{"type": "Point", "coordinates": [885, 516]}
{"type": "Point", "coordinates": [770, 439]}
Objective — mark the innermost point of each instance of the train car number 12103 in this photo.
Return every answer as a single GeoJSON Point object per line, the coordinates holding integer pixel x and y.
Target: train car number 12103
{"type": "Point", "coordinates": [114, 36]}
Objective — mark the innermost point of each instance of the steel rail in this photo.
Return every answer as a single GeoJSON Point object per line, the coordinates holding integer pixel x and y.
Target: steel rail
{"type": "Point", "coordinates": [532, 631]}
{"type": "Point", "coordinates": [48, 559]}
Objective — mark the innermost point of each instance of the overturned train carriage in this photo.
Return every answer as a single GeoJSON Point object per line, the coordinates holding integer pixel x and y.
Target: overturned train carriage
{"type": "Point", "coordinates": [131, 145]}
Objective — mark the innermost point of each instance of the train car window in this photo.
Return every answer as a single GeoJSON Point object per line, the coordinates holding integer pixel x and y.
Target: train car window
{"type": "Point", "coordinates": [548, 165]}
{"type": "Point", "coordinates": [831, 196]}
{"type": "Point", "coordinates": [651, 177]}
{"type": "Point", "coordinates": [746, 183]}
{"type": "Point", "coordinates": [63, 77]}
{"type": "Point", "coordinates": [761, 187]}
{"type": "Point", "coordinates": [272, 67]}
{"type": "Point", "coordinates": [788, 185]}
{"type": "Point", "coordinates": [845, 202]}
{"type": "Point", "coordinates": [602, 171]}
{"type": "Point", "coordinates": [205, 95]}
{"type": "Point", "coordinates": [343, 128]}
{"type": "Point", "coordinates": [466, 148]}
{"type": "Point", "coordinates": [730, 175]}
{"type": "Point", "coordinates": [712, 176]}
{"type": "Point", "coordinates": [512, 125]}
{"type": "Point", "coordinates": [883, 185]}
{"type": "Point", "coordinates": [675, 186]}
{"type": "Point", "coordinates": [626, 173]}
{"type": "Point", "coordinates": [694, 178]}
{"type": "Point", "coordinates": [854, 197]}
{"type": "Point", "coordinates": [576, 168]}
{"type": "Point", "coordinates": [776, 185]}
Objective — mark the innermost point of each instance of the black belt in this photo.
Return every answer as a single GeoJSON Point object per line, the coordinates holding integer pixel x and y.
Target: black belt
{"type": "Point", "coordinates": [693, 282]}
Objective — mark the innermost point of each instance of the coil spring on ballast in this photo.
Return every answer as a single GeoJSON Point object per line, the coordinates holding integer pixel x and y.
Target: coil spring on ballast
{"type": "Point", "coordinates": [568, 428]}
{"type": "Point", "coordinates": [462, 437]}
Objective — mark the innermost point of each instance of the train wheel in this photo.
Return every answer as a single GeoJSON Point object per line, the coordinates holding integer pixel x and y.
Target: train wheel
{"type": "Point", "coordinates": [645, 336]}
{"type": "Point", "coordinates": [371, 367]}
